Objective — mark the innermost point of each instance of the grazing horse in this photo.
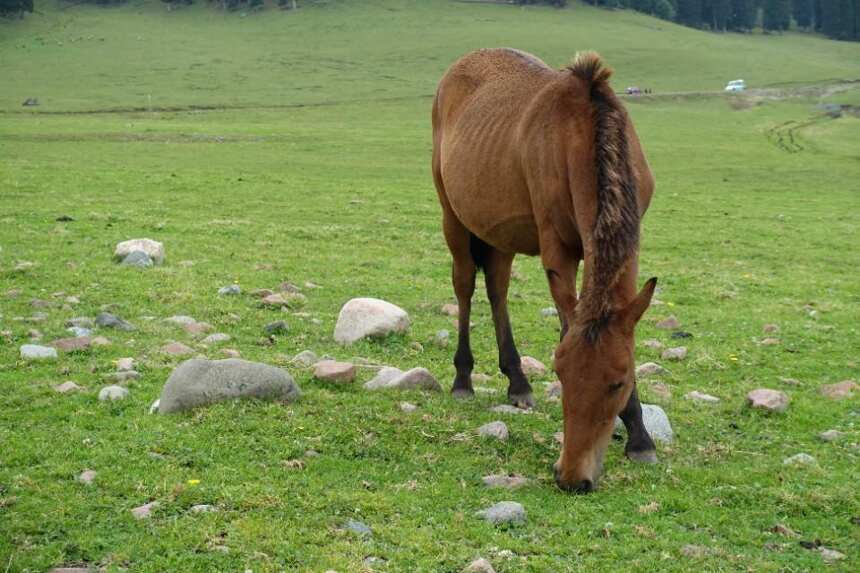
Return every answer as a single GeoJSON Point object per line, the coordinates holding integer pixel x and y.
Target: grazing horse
{"type": "Point", "coordinates": [532, 160]}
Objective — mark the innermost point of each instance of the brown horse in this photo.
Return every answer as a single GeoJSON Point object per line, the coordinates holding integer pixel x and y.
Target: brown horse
{"type": "Point", "coordinates": [527, 159]}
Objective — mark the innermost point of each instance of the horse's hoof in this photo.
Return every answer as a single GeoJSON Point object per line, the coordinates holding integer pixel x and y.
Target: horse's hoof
{"type": "Point", "coordinates": [524, 401]}
{"type": "Point", "coordinates": [462, 393]}
{"type": "Point", "coordinates": [646, 457]}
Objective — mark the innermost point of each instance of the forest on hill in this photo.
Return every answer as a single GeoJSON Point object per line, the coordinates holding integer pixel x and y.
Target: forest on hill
{"type": "Point", "coordinates": [837, 19]}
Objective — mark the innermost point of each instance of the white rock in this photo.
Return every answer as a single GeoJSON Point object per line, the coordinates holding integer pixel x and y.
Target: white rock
{"type": "Point", "coordinates": [697, 396]}
{"type": "Point", "coordinates": [532, 366]}
{"type": "Point", "coordinates": [656, 422]}
{"type": "Point", "coordinates": [652, 343]}
{"type": "Point", "coordinates": [383, 378]}
{"type": "Point", "coordinates": [369, 317]}
{"type": "Point", "coordinates": [87, 477]}
{"type": "Point", "coordinates": [649, 369]}
{"type": "Point", "coordinates": [479, 566]}
{"type": "Point", "coordinates": [305, 358]}
{"type": "Point", "coordinates": [66, 387]}
{"type": "Point", "coordinates": [408, 407]}
{"type": "Point", "coordinates": [508, 409]}
{"type": "Point", "coordinates": [145, 510]}
{"type": "Point", "coordinates": [203, 508]}
{"type": "Point", "coordinates": [154, 249]}
{"type": "Point", "coordinates": [334, 371]}
{"type": "Point", "coordinates": [416, 378]}
{"type": "Point", "coordinates": [111, 393]}
{"type": "Point", "coordinates": [831, 435]}
{"type": "Point", "coordinates": [505, 481]}
{"type": "Point", "coordinates": [180, 319]}
{"type": "Point", "coordinates": [800, 459]}
{"type": "Point", "coordinates": [125, 364]}
{"type": "Point", "coordinates": [498, 430]}
{"type": "Point", "coordinates": [37, 352]}
{"type": "Point", "coordinates": [677, 353]}
{"type": "Point", "coordinates": [503, 512]}
{"type": "Point", "coordinates": [216, 338]}
{"type": "Point", "coordinates": [153, 409]}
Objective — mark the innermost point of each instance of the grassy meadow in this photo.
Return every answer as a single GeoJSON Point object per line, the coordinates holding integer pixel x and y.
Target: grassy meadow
{"type": "Point", "coordinates": [295, 146]}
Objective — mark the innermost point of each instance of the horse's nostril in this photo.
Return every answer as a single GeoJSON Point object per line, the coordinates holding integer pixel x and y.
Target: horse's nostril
{"type": "Point", "coordinates": [584, 486]}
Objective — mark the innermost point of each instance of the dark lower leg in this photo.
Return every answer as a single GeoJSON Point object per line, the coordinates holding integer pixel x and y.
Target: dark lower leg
{"type": "Point", "coordinates": [464, 286]}
{"type": "Point", "coordinates": [640, 447]}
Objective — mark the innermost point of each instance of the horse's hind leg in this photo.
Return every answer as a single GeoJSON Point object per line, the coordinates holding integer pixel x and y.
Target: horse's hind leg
{"type": "Point", "coordinates": [497, 272]}
{"type": "Point", "coordinates": [640, 447]}
{"type": "Point", "coordinates": [463, 272]}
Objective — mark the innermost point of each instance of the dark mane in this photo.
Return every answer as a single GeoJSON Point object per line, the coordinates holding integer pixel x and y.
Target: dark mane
{"type": "Point", "coordinates": [615, 234]}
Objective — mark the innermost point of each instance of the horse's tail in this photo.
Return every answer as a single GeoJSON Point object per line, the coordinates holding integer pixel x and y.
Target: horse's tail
{"type": "Point", "coordinates": [615, 233]}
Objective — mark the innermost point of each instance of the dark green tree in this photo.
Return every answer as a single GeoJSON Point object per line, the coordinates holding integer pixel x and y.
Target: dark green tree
{"type": "Point", "coordinates": [690, 13]}
{"type": "Point", "coordinates": [743, 15]}
{"type": "Point", "coordinates": [777, 15]}
{"type": "Point", "coordinates": [803, 12]}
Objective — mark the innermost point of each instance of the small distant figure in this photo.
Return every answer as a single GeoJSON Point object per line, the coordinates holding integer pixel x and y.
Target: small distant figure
{"type": "Point", "coordinates": [30, 101]}
{"type": "Point", "coordinates": [633, 90]}
{"type": "Point", "coordinates": [735, 86]}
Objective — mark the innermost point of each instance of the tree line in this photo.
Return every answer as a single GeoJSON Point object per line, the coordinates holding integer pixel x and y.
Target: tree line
{"type": "Point", "coordinates": [839, 19]}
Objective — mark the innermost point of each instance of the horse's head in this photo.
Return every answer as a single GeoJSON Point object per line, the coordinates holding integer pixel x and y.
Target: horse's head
{"type": "Point", "coordinates": [595, 365]}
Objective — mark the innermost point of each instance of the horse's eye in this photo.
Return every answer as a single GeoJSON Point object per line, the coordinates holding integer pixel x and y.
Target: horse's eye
{"type": "Point", "coordinates": [615, 387]}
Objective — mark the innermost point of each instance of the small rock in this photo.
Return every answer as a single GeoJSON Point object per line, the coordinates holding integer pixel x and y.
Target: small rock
{"type": "Point", "coordinates": [783, 530]}
{"type": "Point", "coordinates": [81, 322]}
{"type": "Point", "coordinates": [180, 320]}
{"type": "Point", "coordinates": [197, 328]}
{"type": "Point", "coordinates": [137, 259]}
{"type": "Point", "coordinates": [769, 341]}
{"type": "Point", "coordinates": [790, 381]}
{"type": "Point", "coordinates": [200, 382]}
{"type": "Point", "coordinates": [305, 358]}
{"type": "Point", "coordinates": [108, 320]}
{"type": "Point", "coordinates": [333, 371]}
{"type": "Point", "coordinates": [800, 459]}
{"type": "Point", "coordinates": [176, 349]}
{"type": "Point", "coordinates": [79, 331]}
{"type": "Point", "coordinates": [503, 512]}
{"type": "Point", "coordinates": [276, 300]}
{"type": "Point", "coordinates": [840, 390]}
{"type": "Point", "coordinates": [72, 344]}
{"type": "Point", "coordinates": [153, 408]}
{"type": "Point", "coordinates": [289, 287]}
{"type": "Point", "coordinates": [677, 353]}
{"type": "Point", "coordinates": [416, 378]}
{"type": "Point", "coordinates": [697, 396]}
{"type": "Point", "coordinates": [553, 390]}
{"type": "Point", "coordinates": [153, 249]}
{"type": "Point", "coordinates": [766, 399]}
{"type": "Point", "coordinates": [479, 378]}
{"type": "Point", "coordinates": [656, 422]}
{"type": "Point", "coordinates": [660, 390]}
{"type": "Point", "coordinates": [508, 409]}
{"type": "Point", "coordinates": [125, 376]}
{"type": "Point", "coordinates": [231, 353]}
{"type": "Point", "coordinates": [359, 528]}
{"type": "Point", "coordinates": [203, 508]}
{"type": "Point", "coordinates": [549, 311]}
{"type": "Point", "coordinates": [498, 430]}
{"type": "Point", "coordinates": [36, 352]}
{"type": "Point", "coordinates": [369, 317]}
{"type": "Point", "coordinates": [408, 407]}
{"type": "Point", "coordinates": [450, 309]}
{"type": "Point", "coordinates": [125, 364]}
{"type": "Point", "coordinates": [509, 481]}
{"type": "Point", "coordinates": [262, 292]}
{"type": "Point", "coordinates": [277, 327]}
{"type": "Point", "coordinates": [532, 366]}
{"type": "Point", "coordinates": [111, 393]}
{"type": "Point", "coordinates": [145, 510]}
{"type": "Point", "coordinates": [649, 369]}
{"type": "Point", "coordinates": [66, 387]}
{"type": "Point", "coordinates": [831, 435]}
{"type": "Point", "coordinates": [479, 566]}
{"type": "Point", "coordinates": [216, 338]}
{"type": "Point", "coordinates": [383, 378]}
{"type": "Point", "coordinates": [100, 341]}
{"type": "Point", "coordinates": [653, 344]}
{"type": "Point", "coordinates": [230, 290]}
{"type": "Point", "coordinates": [441, 338]}
{"type": "Point", "coordinates": [668, 323]}
{"type": "Point", "coordinates": [770, 328]}
{"type": "Point", "coordinates": [830, 555]}
{"type": "Point", "coordinates": [87, 477]}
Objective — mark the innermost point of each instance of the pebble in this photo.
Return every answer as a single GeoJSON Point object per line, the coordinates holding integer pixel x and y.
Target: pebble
{"type": "Point", "coordinates": [137, 259]}
{"type": "Point", "coordinates": [830, 555]}
{"type": "Point", "coordinates": [72, 344]}
{"type": "Point", "coordinates": [790, 381]}
{"type": "Point", "coordinates": [216, 338]}
{"type": "Point", "coordinates": [549, 311]}
{"type": "Point", "coordinates": [108, 320]}
{"type": "Point", "coordinates": [553, 390]}
{"type": "Point", "coordinates": [125, 376]}
{"type": "Point", "coordinates": [508, 409]}
{"type": "Point", "coordinates": [79, 331]}
{"type": "Point", "coordinates": [334, 371]}
{"type": "Point", "coordinates": [125, 364]}
{"type": "Point", "coordinates": [87, 477]}
{"type": "Point", "coordinates": [441, 339]}
{"type": "Point", "coordinates": [111, 393]}
{"type": "Point", "coordinates": [197, 328]}
{"type": "Point", "coordinates": [769, 342]}
{"type": "Point", "coordinates": [503, 512]}
{"type": "Point", "coordinates": [450, 309]}
{"type": "Point", "coordinates": [653, 344]}
{"type": "Point", "coordinates": [231, 353]}
{"type": "Point", "coordinates": [67, 386]}
{"type": "Point", "coordinates": [36, 352]}
{"type": "Point", "coordinates": [262, 292]}
{"type": "Point", "coordinates": [305, 358]}
{"type": "Point", "coordinates": [359, 528]}
{"type": "Point", "coordinates": [840, 390]}
{"type": "Point", "coordinates": [230, 290]}
{"type": "Point", "coordinates": [153, 249]}
{"type": "Point", "coordinates": [176, 349]}
{"type": "Point", "coordinates": [697, 396]}
{"type": "Point", "coordinates": [831, 435]}
{"type": "Point", "coordinates": [677, 353]}
{"type": "Point", "coordinates": [668, 323]}
{"type": "Point", "coordinates": [649, 369]}
{"type": "Point", "coordinates": [479, 566]}
{"type": "Point", "coordinates": [506, 481]}
{"type": "Point", "coordinates": [369, 317]}
{"type": "Point", "coordinates": [203, 508]}
{"type": "Point", "coordinates": [766, 399]}
{"type": "Point", "coordinates": [277, 327]}
{"type": "Point", "coordinates": [275, 300]}
{"type": "Point", "coordinates": [532, 366]}
{"type": "Point", "coordinates": [145, 510]}
{"type": "Point", "coordinates": [383, 378]}
{"type": "Point", "coordinates": [100, 341]}
{"type": "Point", "coordinates": [660, 390]}
{"type": "Point", "coordinates": [81, 322]}
{"type": "Point", "coordinates": [415, 378]}
{"type": "Point", "coordinates": [497, 430]}
{"type": "Point", "coordinates": [801, 459]}
{"type": "Point", "coordinates": [656, 422]}
{"type": "Point", "coordinates": [770, 328]}
{"type": "Point", "coordinates": [180, 319]}
{"type": "Point", "coordinates": [408, 407]}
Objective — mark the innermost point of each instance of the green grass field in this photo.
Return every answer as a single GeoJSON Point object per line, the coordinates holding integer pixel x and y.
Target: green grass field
{"type": "Point", "coordinates": [296, 146]}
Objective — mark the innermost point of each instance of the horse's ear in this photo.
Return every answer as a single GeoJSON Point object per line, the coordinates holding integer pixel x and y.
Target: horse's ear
{"type": "Point", "coordinates": [637, 307]}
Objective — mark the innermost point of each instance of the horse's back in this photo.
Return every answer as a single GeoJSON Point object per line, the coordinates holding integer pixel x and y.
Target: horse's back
{"type": "Point", "coordinates": [477, 112]}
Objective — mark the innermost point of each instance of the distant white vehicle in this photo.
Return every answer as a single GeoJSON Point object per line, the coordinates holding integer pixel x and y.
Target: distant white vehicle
{"type": "Point", "coordinates": [736, 86]}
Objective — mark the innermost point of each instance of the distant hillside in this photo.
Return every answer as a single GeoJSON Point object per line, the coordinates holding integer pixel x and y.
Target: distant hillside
{"type": "Point", "coordinates": [140, 54]}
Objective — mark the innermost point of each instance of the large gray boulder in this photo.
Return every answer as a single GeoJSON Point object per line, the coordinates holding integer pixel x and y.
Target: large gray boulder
{"type": "Point", "coordinates": [369, 317]}
{"type": "Point", "coordinates": [199, 382]}
{"type": "Point", "coordinates": [656, 422]}
{"type": "Point", "coordinates": [153, 249]}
